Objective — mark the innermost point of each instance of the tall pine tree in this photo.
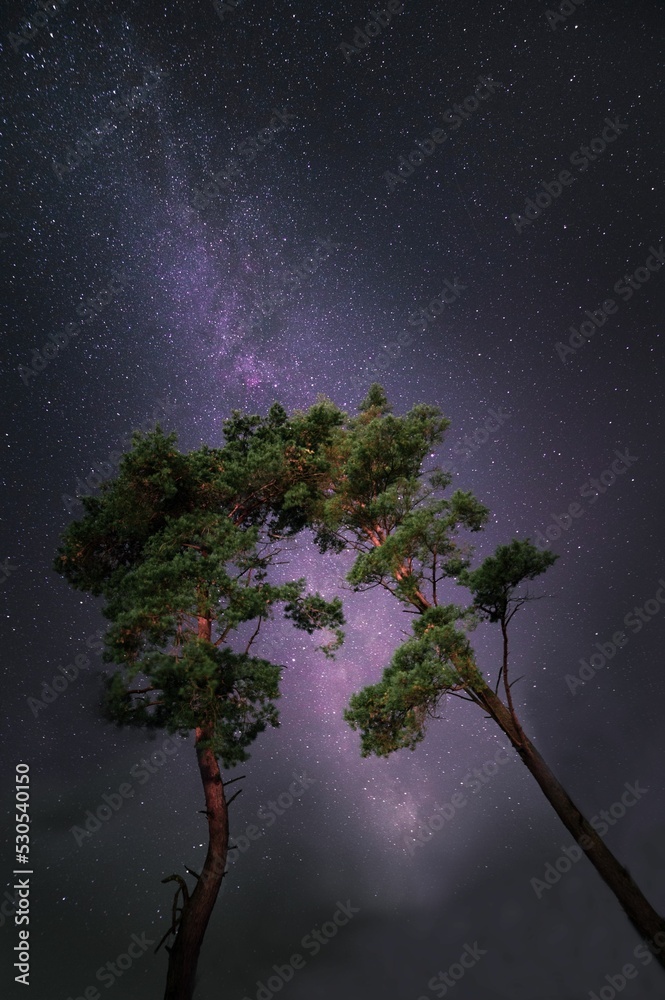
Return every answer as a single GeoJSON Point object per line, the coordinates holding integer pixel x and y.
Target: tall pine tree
{"type": "Point", "coordinates": [182, 547]}
{"type": "Point", "coordinates": [405, 532]}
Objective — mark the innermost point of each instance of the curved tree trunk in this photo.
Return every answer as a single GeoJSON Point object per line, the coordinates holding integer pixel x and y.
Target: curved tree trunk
{"type": "Point", "coordinates": [184, 954]}
{"type": "Point", "coordinates": [644, 918]}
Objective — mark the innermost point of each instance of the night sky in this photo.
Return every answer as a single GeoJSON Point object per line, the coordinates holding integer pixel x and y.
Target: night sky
{"type": "Point", "coordinates": [341, 252]}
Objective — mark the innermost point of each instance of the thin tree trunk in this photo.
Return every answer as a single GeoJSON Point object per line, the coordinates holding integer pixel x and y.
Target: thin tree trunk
{"type": "Point", "coordinates": [646, 921]}
{"type": "Point", "coordinates": [184, 954]}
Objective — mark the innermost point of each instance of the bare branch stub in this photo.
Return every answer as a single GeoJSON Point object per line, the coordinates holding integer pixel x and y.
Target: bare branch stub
{"type": "Point", "coordinates": [182, 885]}
{"type": "Point", "coordinates": [176, 912]}
{"type": "Point", "coordinates": [234, 796]}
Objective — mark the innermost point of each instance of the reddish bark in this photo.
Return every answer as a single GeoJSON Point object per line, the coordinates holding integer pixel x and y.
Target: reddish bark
{"type": "Point", "coordinates": [645, 919]}
{"type": "Point", "coordinates": [184, 954]}
{"type": "Point", "coordinates": [197, 909]}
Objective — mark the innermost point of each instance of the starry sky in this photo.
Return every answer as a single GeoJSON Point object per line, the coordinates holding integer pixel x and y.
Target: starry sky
{"type": "Point", "coordinates": [214, 206]}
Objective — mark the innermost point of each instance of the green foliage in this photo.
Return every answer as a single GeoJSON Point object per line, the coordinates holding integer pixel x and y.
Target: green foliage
{"type": "Point", "coordinates": [313, 612]}
{"type": "Point", "coordinates": [382, 505]}
{"type": "Point", "coordinates": [229, 695]}
{"type": "Point", "coordinates": [422, 541]}
{"type": "Point", "coordinates": [494, 582]}
{"type": "Point", "coordinates": [181, 548]}
{"type": "Point", "coordinates": [375, 400]}
{"type": "Point", "coordinates": [109, 539]}
{"type": "Point", "coordinates": [375, 463]}
{"type": "Point", "coordinates": [395, 515]}
{"type": "Point", "coordinates": [391, 715]}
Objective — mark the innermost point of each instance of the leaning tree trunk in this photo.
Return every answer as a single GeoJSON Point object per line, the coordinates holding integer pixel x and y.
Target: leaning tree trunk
{"type": "Point", "coordinates": [197, 908]}
{"type": "Point", "coordinates": [646, 921]}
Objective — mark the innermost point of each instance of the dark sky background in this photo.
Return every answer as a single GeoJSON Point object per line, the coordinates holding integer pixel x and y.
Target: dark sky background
{"type": "Point", "coordinates": [177, 331]}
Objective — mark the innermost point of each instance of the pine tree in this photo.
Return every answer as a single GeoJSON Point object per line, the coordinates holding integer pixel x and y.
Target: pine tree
{"type": "Point", "coordinates": [405, 533]}
{"type": "Point", "coordinates": [182, 548]}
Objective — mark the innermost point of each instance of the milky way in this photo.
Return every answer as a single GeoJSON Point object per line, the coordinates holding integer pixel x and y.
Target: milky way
{"type": "Point", "coordinates": [305, 269]}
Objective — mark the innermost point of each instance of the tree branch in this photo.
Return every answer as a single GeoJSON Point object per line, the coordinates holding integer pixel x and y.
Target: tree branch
{"type": "Point", "coordinates": [507, 686]}
{"type": "Point", "coordinates": [175, 919]}
{"type": "Point", "coordinates": [256, 632]}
